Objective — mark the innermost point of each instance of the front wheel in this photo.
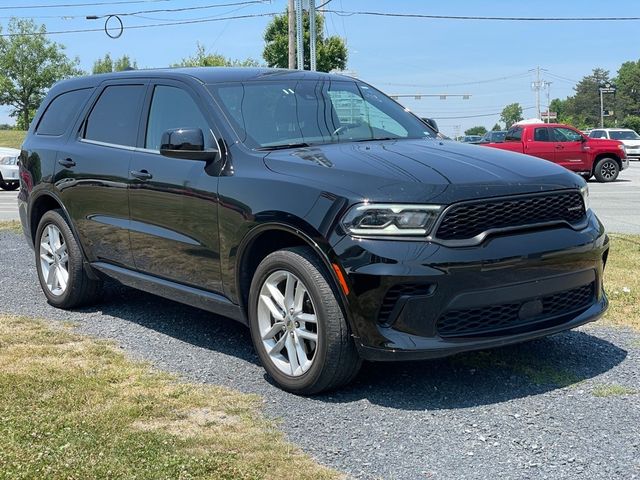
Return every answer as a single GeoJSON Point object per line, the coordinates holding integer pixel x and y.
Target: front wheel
{"type": "Point", "coordinates": [297, 325]}
{"type": "Point", "coordinates": [606, 170]}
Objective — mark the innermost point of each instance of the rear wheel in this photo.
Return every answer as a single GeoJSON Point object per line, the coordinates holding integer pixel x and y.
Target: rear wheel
{"type": "Point", "coordinates": [606, 170]}
{"type": "Point", "coordinates": [297, 325]}
{"type": "Point", "coordinates": [60, 264]}
{"type": "Point", "coordinates": [586, 176]}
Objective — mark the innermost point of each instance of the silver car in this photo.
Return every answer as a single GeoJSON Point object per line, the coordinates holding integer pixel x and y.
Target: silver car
{"type": "Point", "coordinates": [9, 179]}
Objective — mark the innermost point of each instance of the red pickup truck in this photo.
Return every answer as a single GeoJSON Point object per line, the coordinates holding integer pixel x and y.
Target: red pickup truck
{"type": "Point", "coordinates": [568, 147]}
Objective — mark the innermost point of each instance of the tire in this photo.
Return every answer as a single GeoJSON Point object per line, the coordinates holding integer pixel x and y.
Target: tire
{"type": "Point", "coordinates": [606, 170]}
{"type": "Point", "coordinates": [79, 289]}
{"type": "Point", "coordinates": [332, 360]}
{"type": "Point", "coordinates": [9, 185]}
{"type": "Point", "coordinates": [586, 176]}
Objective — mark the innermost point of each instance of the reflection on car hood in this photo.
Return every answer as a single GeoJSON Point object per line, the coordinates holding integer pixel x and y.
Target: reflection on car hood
{"type": "Point", "coordinates": [420, 170]}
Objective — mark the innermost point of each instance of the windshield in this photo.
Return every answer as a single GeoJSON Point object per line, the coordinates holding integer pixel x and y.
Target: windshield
{"type": "Point", "coordinates": [270, 114]}
{"type": "Point", "coordinates": [624, 135]}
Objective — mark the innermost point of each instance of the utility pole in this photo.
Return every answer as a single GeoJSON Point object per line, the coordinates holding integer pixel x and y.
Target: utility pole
{"type": "Point", "coordinates": [312, 35]}
{"type": "Point", "coordinates": [299, 44]}
{"type": "Point", "coordinates": [547, 85]}
{"type": "Point", "coordinates": [292, 34]}
{"type": "Point", "coordinates": [536, 86]}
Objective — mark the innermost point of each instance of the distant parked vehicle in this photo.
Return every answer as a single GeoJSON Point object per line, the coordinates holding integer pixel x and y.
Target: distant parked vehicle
{"type": "Point", "coordinates": [470, 138]}
{"type": "Point", "coordinates": [568, 147]}
{"type": "Point", "coordinates": [493, 137]}
{"type": "Point", "coordinates": [9, 179]}
{"type": "Point", "coordinates": [629, 138]}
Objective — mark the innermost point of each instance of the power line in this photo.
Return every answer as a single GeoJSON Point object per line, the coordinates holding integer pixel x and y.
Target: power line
{"type": "Point", "coordinates": [477, 116]}
{"type": "Point", "coordinates": [161, 10]}
{"type": "Point", "coordinates": [460, 84]}
{"type": "Point", "coordinates": [73, 5]}
{"type": "Point", "coordinates": [134, 27]}
{"type": "Point", "coordinates": [473, 17]}
{"type": "Point", "coordinates": [184, 9]}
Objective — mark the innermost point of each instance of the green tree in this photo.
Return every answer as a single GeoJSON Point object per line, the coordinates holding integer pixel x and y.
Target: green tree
{"type": "Point", "coordinates": [511, 114]}
{"type": "Point", "coordinates": [583, 108]}
{"type": "Point", "coordinates": [632, 122]}
{"type": "Point", "coordinates": [496, 128]}
{"type": "Point", "coordinates": [203, 59]}
{"type": "Point", "coordinates": [30, 64]}
{"type": "Point", "coordinates": [479, 130]}
{"type": "Point", "coordinates": [107, 65]}
{"type": "Point", "coordinates": [628, 90]}
{"type": "Point", "coordinates": [331, 52]}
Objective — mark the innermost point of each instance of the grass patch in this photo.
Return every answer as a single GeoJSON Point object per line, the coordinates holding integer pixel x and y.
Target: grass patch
{"type": "Point", "coordinates": [612, 390]}
{"type": "Point", "coordinates": [74, 407]}
{"type": "Point", "coordinates": [12, 138]}
{"type": "Point", "coordinates": [622, 281]}
{"type": "Point", "coordinates": [13, 226]}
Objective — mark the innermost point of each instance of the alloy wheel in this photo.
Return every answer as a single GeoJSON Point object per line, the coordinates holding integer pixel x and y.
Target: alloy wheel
{"type": "Point", "coordinates": [54, 260]}
{"type": "Point", "coordinates": [609, 170]}
{"type": "Point", "coordinates": [287, 323]}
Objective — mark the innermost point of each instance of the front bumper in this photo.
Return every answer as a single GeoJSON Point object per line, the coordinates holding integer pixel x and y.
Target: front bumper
{"type": "Point", "coordinates": [9, 173]}
{"type": "Point", "coordinates": [625, 161]}
{"type": "Point", "coordinates": [417, 300]}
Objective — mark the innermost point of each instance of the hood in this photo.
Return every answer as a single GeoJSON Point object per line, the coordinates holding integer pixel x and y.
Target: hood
{"type": "Point", "coordinates": [420, 170]}
{"type": "Point", "coordinates": [630, 143]}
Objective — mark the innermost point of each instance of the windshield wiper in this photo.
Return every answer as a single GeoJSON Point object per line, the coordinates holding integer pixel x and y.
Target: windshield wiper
{"type": "Point", "coordinates": [377, 139]}
{"type": "Point", "coordinates": [283, 146]}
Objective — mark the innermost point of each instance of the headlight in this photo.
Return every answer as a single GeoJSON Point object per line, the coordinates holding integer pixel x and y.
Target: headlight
{"type": "Point", "coordinates": [584, 191]}
{"type": "Point", "coordinates": [9, 161]}
{"type": "Point", "coordinates": [384, 219]}
{"type": "Point", "coordinates": [622, 147]}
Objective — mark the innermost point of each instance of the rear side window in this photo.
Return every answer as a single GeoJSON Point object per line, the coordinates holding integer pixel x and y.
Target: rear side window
{"type": "Point", "coordinates": [62, 111]}
{"type": "Point", "coordinates": [513, 135]}
{"type": "Point", "coordinates": [116, 115]}
{"type": "Point", "coordinates": [541, 135]}
{"type": "Point", "coordinates": [598, 134]}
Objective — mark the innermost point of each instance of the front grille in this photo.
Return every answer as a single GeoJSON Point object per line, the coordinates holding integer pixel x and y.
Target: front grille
{"type": "Point", "coordinates": [467, 220]}
{"type": "Point", "coordinates": [496, 318]}
{"type": "Point", "coordinates": [396, 292]}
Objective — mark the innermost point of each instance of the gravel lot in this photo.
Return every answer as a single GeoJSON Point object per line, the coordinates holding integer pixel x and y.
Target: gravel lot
{"type": "Point", "coordinates": [529, 411]}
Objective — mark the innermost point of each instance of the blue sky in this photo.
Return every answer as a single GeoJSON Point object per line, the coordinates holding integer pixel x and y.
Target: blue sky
{"type": "Point", "coordinates": [398, 55]}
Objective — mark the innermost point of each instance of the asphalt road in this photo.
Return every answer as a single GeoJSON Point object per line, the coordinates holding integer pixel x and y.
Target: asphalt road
{"type": "Point", "coordinates": [527, 411]}
{"type": "Point", "coordinates": [617, 204]}
{"type": "Point", "coordinates": [8, 205]}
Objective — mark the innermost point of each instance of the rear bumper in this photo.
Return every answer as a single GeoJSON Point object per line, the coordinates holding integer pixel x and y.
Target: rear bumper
{"type": "Point", "coordinates": [418, 300]}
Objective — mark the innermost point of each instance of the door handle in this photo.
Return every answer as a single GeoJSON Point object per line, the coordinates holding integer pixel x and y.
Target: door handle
{"type": "Point", "coordinates": [67, 163]}
{"type": "Point", "coordinates": [141, 174]}
{"type": "Point", "coordinates": [559, 147]}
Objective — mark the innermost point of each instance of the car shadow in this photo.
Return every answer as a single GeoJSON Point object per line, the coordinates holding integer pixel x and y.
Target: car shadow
{"type": "Point", "coordinates": [462, 381]}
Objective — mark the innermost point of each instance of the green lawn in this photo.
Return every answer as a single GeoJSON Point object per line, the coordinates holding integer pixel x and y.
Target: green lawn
{"type": "Point", "coordinates": [12, 138]}
{"type": "Point", "coordinates": [73, 408]}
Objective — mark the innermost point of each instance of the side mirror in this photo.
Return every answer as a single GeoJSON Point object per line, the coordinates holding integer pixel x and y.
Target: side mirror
{"type": "Point", "coordinates": [185, 143]}
{"type": "Point", "coordinates": [431, 122]}
{"type": "Point", "coordinates": [583, 139]}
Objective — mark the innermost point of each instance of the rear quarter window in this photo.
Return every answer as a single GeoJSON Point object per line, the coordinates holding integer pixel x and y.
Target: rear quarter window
{"type": "Point", "coordinates": [61, 111]}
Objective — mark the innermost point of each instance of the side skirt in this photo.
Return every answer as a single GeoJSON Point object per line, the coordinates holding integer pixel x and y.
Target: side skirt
{"type": "Point", "coordinates": [195, 297]}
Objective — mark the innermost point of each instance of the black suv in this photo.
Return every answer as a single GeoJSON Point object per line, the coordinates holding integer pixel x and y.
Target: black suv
{"type": "Point", "coordinates": [310, 207]}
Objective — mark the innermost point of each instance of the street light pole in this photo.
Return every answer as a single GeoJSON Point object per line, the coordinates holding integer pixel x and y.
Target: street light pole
{"type": "Point", "coordinates": [601, 109]}
{"type": "Point", "coordinates": [312, 35]}
{"type": "Point", "coordinates": [299, 27]}
{"type": "Point", "coordinates": [292, 34]}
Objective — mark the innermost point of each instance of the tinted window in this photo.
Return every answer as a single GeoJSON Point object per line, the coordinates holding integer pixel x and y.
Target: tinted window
{"type": "Point", "coordinates": [116, 115]}
{"type": "Point", "coordinates": [597, 134]}
{"type": "Point", "coordinates": [624, 135]}
{"type": "Point", "coordinates": [284, 112]}
{"type": "Point", "coordinates": [62, 111]}
{"type": "Point", "coordinates": [566, 135]}
{"type": "Point", "coordinates": [172, 107]}
{"type": "Point", "coordinates": [541, 135]}
{"type": "Point", "coordinates": [513, 135]}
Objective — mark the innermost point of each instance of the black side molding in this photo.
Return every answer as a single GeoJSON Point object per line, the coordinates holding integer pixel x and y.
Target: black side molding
{"type": "Point", "coordinates": [195, 297]}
